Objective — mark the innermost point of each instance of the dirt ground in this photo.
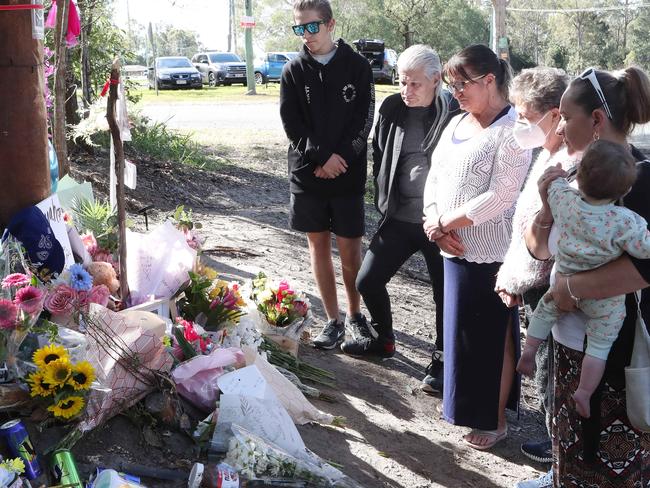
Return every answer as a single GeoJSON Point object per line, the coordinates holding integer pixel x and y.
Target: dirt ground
{"type": "Point", "coordinates": [394, 436]}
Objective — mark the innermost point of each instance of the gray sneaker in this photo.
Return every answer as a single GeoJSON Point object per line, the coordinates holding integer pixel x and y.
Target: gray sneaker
{"type": "Point", "coordinates": [544, 481]}
{"type": "Point", "coordinates": [331, 336]}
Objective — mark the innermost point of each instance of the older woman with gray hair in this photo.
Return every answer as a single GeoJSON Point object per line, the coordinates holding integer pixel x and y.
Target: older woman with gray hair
{"type": "Point", "coordinates": [406, 133]}
{"type": "Point", "coordinates": [536, 95]}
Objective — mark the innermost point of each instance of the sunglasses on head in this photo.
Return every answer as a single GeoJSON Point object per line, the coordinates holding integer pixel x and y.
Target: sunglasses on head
{"type": "Point", "coordinates": [590, 75]}
{"type": "Point", "coordinates": [311, 27]}
{"type": "Point", "coordinates": [459, 86]}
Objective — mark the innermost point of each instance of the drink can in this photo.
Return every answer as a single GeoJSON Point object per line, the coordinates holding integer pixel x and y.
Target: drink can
{"type": "Point", "coordinates": [17, 440]}
{"type": "Point", "coordinates": [64, 469]}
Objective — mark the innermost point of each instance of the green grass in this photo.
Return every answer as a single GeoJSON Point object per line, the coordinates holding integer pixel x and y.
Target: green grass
{"type": "Point", "coordinates": [233, 93]}
{"type": "Point", "coordinates": [160, 143]}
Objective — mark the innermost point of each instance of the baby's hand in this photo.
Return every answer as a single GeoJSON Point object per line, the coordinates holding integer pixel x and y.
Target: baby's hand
{"type": "Point", "coordinates": [551, 174]}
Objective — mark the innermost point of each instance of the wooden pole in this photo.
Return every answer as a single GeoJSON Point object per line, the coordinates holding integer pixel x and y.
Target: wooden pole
{"type": "Point", "coordinates": [59, 126]}
{"type": "Point", "coordinates": [500, 44]}
{"type": "Point", "coordinates": [119, 167]}
{"type": "Point", "coordinates": [23, 120]}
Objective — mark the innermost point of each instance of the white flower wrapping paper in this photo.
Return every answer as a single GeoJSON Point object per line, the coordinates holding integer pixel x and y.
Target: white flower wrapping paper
{"type": "Point", "coordinates": [254, 456]}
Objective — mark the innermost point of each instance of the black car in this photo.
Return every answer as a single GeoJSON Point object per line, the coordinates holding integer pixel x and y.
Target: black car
{"type": "Point", "coordinates": [174, 72]}
{"type": "Point", "coordinates": [220, 68]}
{"type": "Point", "coordinates": [382, 60]}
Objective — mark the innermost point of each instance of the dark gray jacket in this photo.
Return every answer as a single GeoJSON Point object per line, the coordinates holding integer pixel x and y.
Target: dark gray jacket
{"type": "Point", "coordinates": [387, 144]}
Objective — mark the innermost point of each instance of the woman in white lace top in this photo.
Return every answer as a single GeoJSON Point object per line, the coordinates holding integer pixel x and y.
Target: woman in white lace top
{"type": "Point", "coordinates": [476, 174]}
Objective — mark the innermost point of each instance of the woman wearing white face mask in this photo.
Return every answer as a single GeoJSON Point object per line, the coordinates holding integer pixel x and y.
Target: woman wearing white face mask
{"type": "Point", "coordinates": [536, 95]}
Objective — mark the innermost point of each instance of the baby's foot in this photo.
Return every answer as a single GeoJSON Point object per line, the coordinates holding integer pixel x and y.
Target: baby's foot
{"type": "Point", "coordinates": [582, 397]}
{"type": "Point", "coordinates": [526, 365]}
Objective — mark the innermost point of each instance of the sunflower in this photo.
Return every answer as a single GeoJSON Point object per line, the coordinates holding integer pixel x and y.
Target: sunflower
{"type": "Point", "coordinates": [38, 386]}
{"type": "Point", "coordinates": [83, 374]}
{"type": "Point", "coordinates": [57, 372]}
{"type": "Point", "coordinates": [51, 352]}
{"type": "Point", "coordinates": [67, 407]}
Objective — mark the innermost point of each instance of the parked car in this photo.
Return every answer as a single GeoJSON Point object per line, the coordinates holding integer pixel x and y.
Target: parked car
{"type": "Point", "coordinates": [382, 60]}
{"type": "Point", "coordinates": [220, 68]}
{"type": "Point", "coordinates": [270, 68]}
{"type": "Point", "coordinates": [174, 72]}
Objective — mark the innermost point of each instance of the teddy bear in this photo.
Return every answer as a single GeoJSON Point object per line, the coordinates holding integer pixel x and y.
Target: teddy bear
{"type": "Point", "coordinates": [104, 274]}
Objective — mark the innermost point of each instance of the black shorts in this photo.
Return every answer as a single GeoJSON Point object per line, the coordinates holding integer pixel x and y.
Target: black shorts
{"type": "Point", "coordinates": [342, 215]}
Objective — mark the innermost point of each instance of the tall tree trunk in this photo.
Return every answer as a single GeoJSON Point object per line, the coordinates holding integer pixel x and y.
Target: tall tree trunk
{"type": "Point", "coordinates": [23, 120]}
{"type": "Point", "coordinates": [71, 103]}
{"type": "Point", "coordinates": [86, 86]}
{"type": "Point", "coordinates": [60, 88]}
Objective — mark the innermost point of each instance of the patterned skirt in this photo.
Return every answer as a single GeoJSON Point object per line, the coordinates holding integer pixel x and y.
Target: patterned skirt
{"type": "Point", "coordinates": [622, 456]}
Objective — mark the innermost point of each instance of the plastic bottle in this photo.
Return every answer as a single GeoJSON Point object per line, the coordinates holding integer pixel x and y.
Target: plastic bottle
{"type": "Point", "coordinates": [224, 476]}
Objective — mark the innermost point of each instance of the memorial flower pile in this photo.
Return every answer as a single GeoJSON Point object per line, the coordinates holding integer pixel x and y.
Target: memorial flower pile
{"type": "Point", "coordinates": [188, 340]}
{"type": "Point", "coordinates": [61, 384]}
{"type": "Point", "coordinates": [74, 292]}
{"type": "Point", "coordinates": [211, 302]}
{"type": "Point", "coordinates": [278, 301]}
{"type": "Point", "coordinates": [20, 306]}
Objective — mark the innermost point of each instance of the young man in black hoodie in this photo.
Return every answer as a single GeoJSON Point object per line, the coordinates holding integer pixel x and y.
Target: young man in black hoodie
{"type": "Point", "coordinates": [327, 107]}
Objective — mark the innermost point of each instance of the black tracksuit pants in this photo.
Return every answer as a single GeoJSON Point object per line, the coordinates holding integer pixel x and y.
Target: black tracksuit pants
{"type": "Point", "coordinates": [391, 246]}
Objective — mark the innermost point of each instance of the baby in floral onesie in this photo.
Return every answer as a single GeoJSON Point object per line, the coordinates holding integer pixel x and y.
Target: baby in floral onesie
{"type": "Point", "coordinates": [593, 230]}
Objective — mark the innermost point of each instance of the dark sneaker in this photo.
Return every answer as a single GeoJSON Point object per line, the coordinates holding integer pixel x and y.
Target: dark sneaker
{"type": "Point", "coordinates": [432, 382]}
{"type": "Point", "coordinates": [540, 451]}
{"type": "Point", "coordinates": [365, 340]}
{"type": "Point", "coordinates": [331, 335]}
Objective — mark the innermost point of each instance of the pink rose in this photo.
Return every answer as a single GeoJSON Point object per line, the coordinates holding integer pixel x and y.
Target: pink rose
{"type": "Point", "coordinates": [99, 294]}
{"type": "Point", "coordinates": [83, 298]}
{"type": "Point", "coordinates": [90, 243]}
{"type": "Point", "coordinates": [8, 314]}
{"type": "Point", "coordinates": [60, 301]}
{"type": "Point", "coordinates": [29, 299]}
{"type": "Point", "coordinates": [15, 280]}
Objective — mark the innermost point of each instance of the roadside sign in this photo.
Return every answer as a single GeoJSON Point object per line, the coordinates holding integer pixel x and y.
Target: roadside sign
{"type": "Point", "coordinates": [247, 22]}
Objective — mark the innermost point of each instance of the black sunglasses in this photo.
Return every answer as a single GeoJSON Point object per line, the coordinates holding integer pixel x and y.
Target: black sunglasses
{"type": "Point", "coordinates": [311, 27]}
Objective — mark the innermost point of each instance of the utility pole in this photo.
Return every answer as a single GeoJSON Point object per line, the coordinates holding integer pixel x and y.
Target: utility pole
{"type": "Point", "coordinates": [500, 38]}
{"type": "Point", "coordinates": [233, 13]}
{"type": "Point", "coordinates": [23, 120]}
{"type": "Point", "coordinates": [250, 75]}
{"type": "Point", "coordinates": [231, 20]}
{"type": "Point", "coordinates": [128, 20]}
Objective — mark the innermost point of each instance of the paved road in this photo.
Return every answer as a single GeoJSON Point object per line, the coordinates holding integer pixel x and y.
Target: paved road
{"type": "Point", "coordinates": [259, 116]}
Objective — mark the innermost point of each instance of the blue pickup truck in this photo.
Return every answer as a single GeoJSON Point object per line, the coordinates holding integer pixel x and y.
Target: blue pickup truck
{"type": "Point", "coordinates": [270, 67]}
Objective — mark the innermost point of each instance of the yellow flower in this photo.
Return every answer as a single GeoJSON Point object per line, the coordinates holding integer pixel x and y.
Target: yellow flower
{"type": "Point", "coordinates": [13, 465]}
{"type": "Point", "coordinates": [83, 374]}
{"type": "Point", "coordinates": [57, 372]}
{"type": "Point", "coordinates": [46, 354]}
{"type": "Point", "coordinates": [209, 273]}
{"type": "Point", "coordinates": [265, 296]}
{"type": "Point", "coordinates": [67, 407]}
{"type": "Point", "coordinates": [218, 287]}
{"type": "Point", "coordinates": [38, 386]}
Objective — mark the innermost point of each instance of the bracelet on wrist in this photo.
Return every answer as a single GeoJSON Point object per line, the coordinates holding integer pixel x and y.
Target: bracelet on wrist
{"type": "Point", "coordinates": [573, 297]}
{"type": "Point", "coordinates": [544, 225]}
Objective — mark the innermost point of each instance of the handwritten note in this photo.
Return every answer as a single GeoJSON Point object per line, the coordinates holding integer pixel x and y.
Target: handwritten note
{"type": "Point", "coordinates": [52, 209]}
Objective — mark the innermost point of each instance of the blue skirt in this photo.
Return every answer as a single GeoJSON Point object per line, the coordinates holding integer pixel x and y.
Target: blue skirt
{"type": "Point", "coordinates": [475, 326]}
